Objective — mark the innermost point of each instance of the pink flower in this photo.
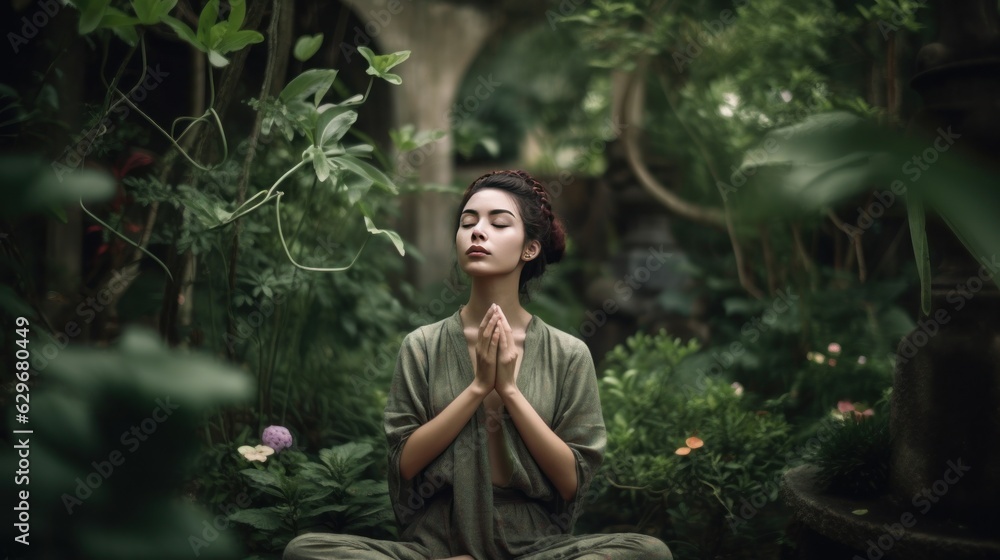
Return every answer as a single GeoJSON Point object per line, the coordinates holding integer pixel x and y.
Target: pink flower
{"type": "Point", "coordinates": [737, 388]}
{"type": "Point", "coordinates": [833, 348]}
{"type": "Point", "coordinates": [277, 437]}
{"type": "Point", "coordinates": [847, 408]}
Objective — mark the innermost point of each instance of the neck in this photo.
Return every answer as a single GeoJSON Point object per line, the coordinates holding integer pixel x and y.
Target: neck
{"type": "Point", "coordinates": [485, 294]}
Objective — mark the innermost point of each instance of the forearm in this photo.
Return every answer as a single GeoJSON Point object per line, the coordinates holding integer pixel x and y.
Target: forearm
{"type": "Point", "coordinates": [429, 440]}
{"type": "Point", "coordinates": [553, 456]}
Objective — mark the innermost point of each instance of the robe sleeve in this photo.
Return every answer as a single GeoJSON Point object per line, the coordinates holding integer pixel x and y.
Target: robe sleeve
{"type": "Point", "coordinates": [579, 421]}
{"type": "Point", "coordinates": [406, 409]}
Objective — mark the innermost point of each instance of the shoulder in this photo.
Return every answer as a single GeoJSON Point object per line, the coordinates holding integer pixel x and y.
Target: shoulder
{"type": "Point", "coordinates": [562, 344]}
{"type": "Point", "coordinates": [426, 335]}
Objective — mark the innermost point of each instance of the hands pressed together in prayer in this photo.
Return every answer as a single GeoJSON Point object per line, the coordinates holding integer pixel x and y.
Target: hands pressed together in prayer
{"type": "Point", "coordinates": [496, 353]}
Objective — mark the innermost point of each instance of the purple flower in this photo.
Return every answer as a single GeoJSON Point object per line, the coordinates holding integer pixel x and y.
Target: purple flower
{"type": "Point", "coordinates": [277, 437]}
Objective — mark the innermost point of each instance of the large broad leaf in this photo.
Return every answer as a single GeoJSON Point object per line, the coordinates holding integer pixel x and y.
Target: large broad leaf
{"type": "Point", "coordinates": [141, 360]}
{"type": "Point", "coordinates": [317, 80]}
{"type": "Point", "coordinates": [29, 185]}
{"type": "Point", "coordinates": [802, 168]}
{"type": "Point", "coordinates": [918, 235]}
{"type": "Point", "coordinates": [831, 157]}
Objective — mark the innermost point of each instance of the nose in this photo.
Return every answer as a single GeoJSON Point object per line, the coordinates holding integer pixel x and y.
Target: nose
{"type": "Point", "coordinates": [477, 232]}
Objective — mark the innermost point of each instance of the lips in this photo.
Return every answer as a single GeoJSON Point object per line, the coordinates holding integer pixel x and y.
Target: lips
{"type": "Point", "coordinates": [477, 249]}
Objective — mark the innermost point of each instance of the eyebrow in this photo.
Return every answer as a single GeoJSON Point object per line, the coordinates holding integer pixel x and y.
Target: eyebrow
{"type": "Point", "coordinates": [492, 212]}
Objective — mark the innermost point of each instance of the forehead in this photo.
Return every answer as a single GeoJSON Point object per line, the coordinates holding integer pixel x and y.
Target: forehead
{"type": "Point", "coordinates": [485, 200]}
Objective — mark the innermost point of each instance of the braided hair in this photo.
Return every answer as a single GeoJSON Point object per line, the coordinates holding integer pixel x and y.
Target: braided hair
{"type": "Point", "coordinates": [535, 207]}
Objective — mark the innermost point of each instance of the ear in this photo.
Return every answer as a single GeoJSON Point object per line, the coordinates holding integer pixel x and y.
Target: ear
{"type": "Point", "coordinates": [534, 247]}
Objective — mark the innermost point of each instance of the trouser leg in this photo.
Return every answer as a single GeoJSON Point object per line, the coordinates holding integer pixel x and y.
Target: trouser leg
{"type": "Point", "coordinates": [333, 546]}
{"type": "Point", "coordinates": [613, 546]}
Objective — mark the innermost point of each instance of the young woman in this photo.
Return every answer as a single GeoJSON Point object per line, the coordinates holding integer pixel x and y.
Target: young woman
{"type": "Point", "coordinates": [493, 419]}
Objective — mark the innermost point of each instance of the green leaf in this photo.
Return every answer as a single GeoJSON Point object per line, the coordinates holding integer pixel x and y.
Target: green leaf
{"type": "Point", "coordinates": [236, 40]}
{"type": "Point", "coordinates": [346, 453]}
{"type": "Point", "coordinates": [237, 13]}
{"type": "Point", "coordinates": [91, 14]}
{"type": "Point", "coordinates": [260, 478]}
{"type": "Point", "coordinates": [306, 46]}
{"type": "Point", "coordinates": [860, 512]}
{"type": "Point", "coordinates": [207, 19]}
{"type": "Point", "coordinates": [393, 236]}
{"type": "Point", "coordinates": [150, 12]}
{"type": "Point", "coordinates": [265, 519]}
{"type": "Point", "coordinates": [32, 185]}
{"type": "Point", "coordinates": [184, 32]}
{"type": "Point", "coordinates": [332, 125]}
{"type": "Point", "coordinates": [320, 162]}
{"type": "Point", "coordinates": [406, 138]}
{"type": "Point", "coordinates": [324, 509]}
{"type": "Point", "coordinates": [317, 80]}
{"type": "Point", "coordinates": [379, 65]}
{"type": "Point", "coordinates": [491, 145]}
{"type": "Point", "coordinates": [366, 169]}
{"type": "Point", "coordinates": [121, 24]}
{"type": "Point", "coordinates": [357, 186]}
{"type": "Point", "coordinates": [918, 235]}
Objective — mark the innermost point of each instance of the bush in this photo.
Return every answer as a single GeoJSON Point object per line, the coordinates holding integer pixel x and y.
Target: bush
{"type": "Point", "coordinates": [681, 455]}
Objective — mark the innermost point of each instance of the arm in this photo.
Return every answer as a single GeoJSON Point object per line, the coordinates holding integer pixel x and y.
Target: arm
{"type": "Point", "coordinates": [433, 437]}
{"type": "Point", "coordinates": [430, 439]}
{"type": "Point", "coordinates": [553, 456]}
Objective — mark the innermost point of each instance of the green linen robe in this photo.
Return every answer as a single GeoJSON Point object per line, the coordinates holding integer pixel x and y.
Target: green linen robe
{"type": "Point", "coordinates": [449, 507]}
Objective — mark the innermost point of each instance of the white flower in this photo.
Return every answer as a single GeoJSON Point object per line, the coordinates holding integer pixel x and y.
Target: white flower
{"type": "Point", "coordinates": [258, 453]}
{"type": "Point", "coordinates": [737, 388]}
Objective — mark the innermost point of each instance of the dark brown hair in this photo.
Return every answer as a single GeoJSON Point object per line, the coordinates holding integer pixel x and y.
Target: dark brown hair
{"type": "Point", "coordinates": [540, 222]}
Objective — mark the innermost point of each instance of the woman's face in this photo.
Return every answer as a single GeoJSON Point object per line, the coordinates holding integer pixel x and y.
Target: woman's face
{"type": "Point", "coordinates": [490, 219]}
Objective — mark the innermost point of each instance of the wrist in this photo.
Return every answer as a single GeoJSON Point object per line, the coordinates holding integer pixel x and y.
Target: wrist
{"type": "Point", "coordinates": [507, 393]}
{"type": "Point", "coordinates": [479, 390]}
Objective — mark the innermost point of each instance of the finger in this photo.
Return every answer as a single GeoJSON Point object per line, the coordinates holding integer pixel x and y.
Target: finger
{"type": "Point", "coordinates": [486, 318]}
{"type": "Point", "coordinates": [494, 340]}
{"type": "Point", "coordinates": [486, 328]}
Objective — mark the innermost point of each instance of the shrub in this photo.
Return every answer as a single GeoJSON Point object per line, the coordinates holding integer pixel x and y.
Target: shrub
{"type": "Point", "coordinates": [680, 456]}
